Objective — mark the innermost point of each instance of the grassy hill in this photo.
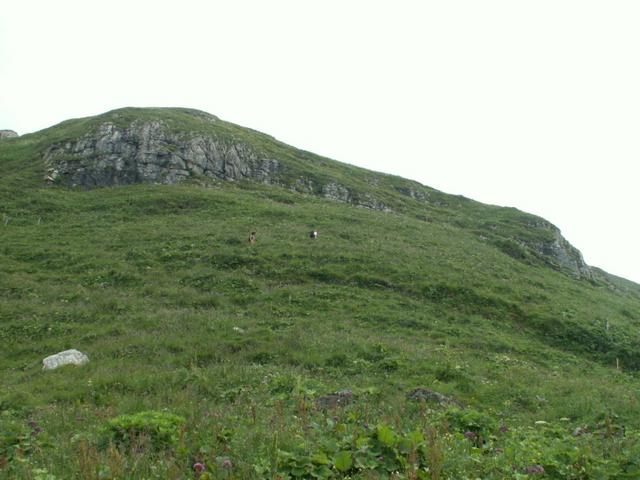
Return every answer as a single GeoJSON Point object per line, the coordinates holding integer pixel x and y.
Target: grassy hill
{"type": "Point", "coordinates": [180, 315]}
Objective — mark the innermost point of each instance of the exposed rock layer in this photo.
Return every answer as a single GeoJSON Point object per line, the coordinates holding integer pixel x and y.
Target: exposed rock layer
{"type": "Point", "coordinates": [147, 152]}
{"type": "Point", "coordinates": [7, 134]}
{"type": "Point", "coordinates": [564, 254]}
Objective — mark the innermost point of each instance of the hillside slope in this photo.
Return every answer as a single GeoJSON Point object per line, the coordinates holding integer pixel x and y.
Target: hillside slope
{"type": "Point", "coordinates": [130, 146]}
{"type": "Point", "coordinates": [156, 282]}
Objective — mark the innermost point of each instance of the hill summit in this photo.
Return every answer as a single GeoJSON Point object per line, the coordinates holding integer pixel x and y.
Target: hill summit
{"type": "Point", "coordinates": [7, 134]}
{"type": "Point", "coordinates": [168, 146]}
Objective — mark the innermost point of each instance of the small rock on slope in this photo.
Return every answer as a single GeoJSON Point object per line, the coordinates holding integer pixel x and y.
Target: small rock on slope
{"type": "Point", "coordinates": [68, 357]}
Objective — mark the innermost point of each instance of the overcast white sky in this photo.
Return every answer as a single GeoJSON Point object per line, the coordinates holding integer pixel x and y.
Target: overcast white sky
{"type": "Point", "coordinates": [531, 104]}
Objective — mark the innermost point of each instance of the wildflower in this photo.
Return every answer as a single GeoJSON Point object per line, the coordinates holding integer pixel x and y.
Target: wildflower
{"type": "Point", "coordinates": [198, 467]}
{"type": "Point", "coordinates": [470, 435]}
{"type": "Point", "coordinates": [226, 463]}
{"type": "Point", "coordinates": [504, 429]}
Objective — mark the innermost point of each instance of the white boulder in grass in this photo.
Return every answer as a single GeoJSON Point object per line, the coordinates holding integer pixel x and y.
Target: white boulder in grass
{"type": "Point", "coordinates": [68, 357]}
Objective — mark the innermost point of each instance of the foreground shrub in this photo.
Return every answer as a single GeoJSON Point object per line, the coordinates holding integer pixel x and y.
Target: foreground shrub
{"type": "Point", "coordinates": [158, 430]}
{"type": "Point", "coordinates": [470, 421]}
{"type": "Point", "coordinates": [456, 445]}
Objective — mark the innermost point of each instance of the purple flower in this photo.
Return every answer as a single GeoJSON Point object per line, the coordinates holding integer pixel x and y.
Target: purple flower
{"type": "Point", "coordinates": [534, 469]}
{"type": "Point", "coordinates": [226, 463]}
{"type": "Point", "coordinates": [470, 435]}
{"type": "Point", "coordinates": [198, 467]}
{"type": "Point", "coordinates": [504, 429]}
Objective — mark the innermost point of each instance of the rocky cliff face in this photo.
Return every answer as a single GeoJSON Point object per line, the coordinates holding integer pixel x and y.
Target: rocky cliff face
{"type": "Point", "coordinates": [148, 152]}
{"type": "Point", "coordinates": [7, 134]}
{"type": "Point", "coordinates": [561, 253]}
{"type": "Point", "coordinates": [568, 257]}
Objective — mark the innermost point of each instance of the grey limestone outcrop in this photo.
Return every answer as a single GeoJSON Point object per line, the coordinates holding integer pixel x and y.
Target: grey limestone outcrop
{"type": "Point", "coordinates": [150, 153]}
{"type": "Point", "coordinates": [566, 255]}
{"type": "Point", "coordinates": [7, 134]}
{"type": "Point", "coordinates": [558, 251]}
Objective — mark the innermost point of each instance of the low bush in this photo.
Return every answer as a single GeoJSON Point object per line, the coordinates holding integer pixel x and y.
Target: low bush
{"type": "Point", "coordinates": [158, 430]}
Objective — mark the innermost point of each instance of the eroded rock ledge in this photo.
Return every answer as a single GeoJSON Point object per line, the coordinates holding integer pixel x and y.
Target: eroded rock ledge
{"type": "Point", "coordinates": [149, 153]}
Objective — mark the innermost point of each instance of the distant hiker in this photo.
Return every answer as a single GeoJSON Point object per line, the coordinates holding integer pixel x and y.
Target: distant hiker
{"type": "Point", "coordinates": [252, 238]}
{"type": "Point", "coordinates": [314, 234]}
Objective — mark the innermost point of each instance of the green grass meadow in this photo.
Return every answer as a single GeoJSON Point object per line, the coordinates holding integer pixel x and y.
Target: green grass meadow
{"type": "Point", "coordinates": [181, 316]}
